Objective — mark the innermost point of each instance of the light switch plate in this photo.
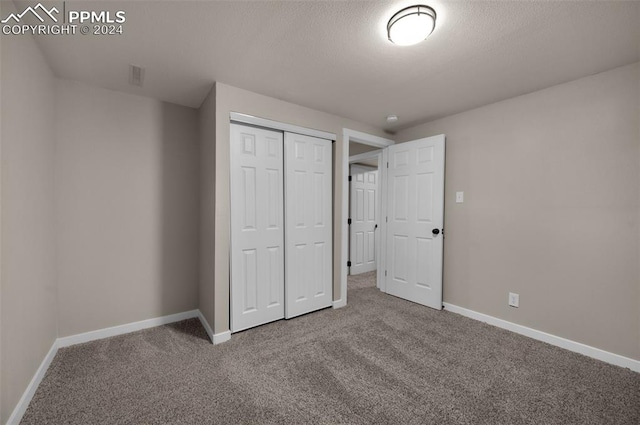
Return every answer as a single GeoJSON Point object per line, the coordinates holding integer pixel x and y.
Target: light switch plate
{"type": "Point", "coordinates": [514, 300]}
{"type": "Point", "coordinates": [459, 197]}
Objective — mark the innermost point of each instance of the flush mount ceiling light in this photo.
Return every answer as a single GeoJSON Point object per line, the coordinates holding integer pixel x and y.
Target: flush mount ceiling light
{"type": "Point", "coordinates": [411, 25]}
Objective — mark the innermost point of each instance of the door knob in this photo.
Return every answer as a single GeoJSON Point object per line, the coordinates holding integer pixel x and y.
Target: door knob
{"type": "Point", "coordinates": [435, 231]}
{"type": "Point", "coordinates": [375, 227]}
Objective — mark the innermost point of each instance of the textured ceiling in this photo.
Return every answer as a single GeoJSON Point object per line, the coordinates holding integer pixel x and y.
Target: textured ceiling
{"type": "Point", "coordinates": [333, 56]}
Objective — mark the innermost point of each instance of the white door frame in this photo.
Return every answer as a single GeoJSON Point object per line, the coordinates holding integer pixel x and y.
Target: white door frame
{"type": "Point", "coordinates": [365, 156]}
{"type": "Point", "coordinates": [240, 118]}
{"type": "Point", "coordinates": [371, 140]}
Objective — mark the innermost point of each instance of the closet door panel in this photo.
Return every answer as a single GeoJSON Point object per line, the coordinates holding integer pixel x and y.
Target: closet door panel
{"type": "Point", "coordinates": [308, 224]}
{"type": "Point", "coordinates": [257, 227]}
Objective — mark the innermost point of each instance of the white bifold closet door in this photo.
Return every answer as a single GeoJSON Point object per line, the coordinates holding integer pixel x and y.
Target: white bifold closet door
{"type": "Point", "coordinates": [257, 227]}
{"type": "Point", "coordinates": [308, 224]}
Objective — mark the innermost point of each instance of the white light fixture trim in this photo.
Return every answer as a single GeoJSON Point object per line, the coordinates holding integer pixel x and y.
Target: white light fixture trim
{"type": "Point", "coordinates": [392, 118]}
{"type": "Point", "coordinates": [411, 25]}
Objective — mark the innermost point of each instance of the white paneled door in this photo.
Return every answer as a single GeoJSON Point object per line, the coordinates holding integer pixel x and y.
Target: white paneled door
{"type": "Point", "coordinates": [364, 216]}
{"type": "Point", "coordinates": [415, 214]}
{"type": "Point", "coordinates": [257, 227]}
{"type": "Point", "coordinates": [308, 229]}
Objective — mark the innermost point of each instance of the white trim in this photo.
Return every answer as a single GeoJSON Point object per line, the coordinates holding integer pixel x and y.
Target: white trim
{"type": "Point", "coordinates": [366, 139]}
{"type": "Point", "coordinates": [567, 344]}
{"type": "Point", "coordinates": [275, 125]}
{"type": "Point", "coordinates": [382, 229]}
{"type": "Point", "coordinates": [365, 155]}
{"type": "Point", "coordinates": [362, 167]}
{"type": "Point", "coordinates": [339, 303]}
{"type": "Point", "coordinates": [125, 329]}
{"type": "Point", "coordinates": [344, 216]}
{"type": "Point", "coordinates": [21, 407]}
{"type": "Point", "coordinates": [221, 337]}
{"type": "Point", "coordinates": [205, 325]}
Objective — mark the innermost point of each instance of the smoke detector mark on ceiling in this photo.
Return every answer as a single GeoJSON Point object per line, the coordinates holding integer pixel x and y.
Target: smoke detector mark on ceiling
{"type": "Point", "coordinates": [136, 75]}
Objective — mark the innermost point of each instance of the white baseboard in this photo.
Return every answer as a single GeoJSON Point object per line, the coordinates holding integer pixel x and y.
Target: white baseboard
{"type": "Point", "coordinates": [339, 303]}
{"type": "Point", "coordinates": [567, 344]}
{"type": "Point", "coordinates": [206, 326]}
{"type": "Point", "coordinates": [221, 337]}
{"type": "Point", "coordinates": [21, 407]}
{"type": "Point", "coordinates": [125, 329]}
{"type": "Point", "coordinates": [67, 341]}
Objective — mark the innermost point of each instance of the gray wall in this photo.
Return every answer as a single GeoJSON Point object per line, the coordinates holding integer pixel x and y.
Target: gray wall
{"type": "Point", "coordinates": [28, 295]}
{"type": "Point", "coordinates": [127, 196]}
{"type": "Point", "coordinates": [356, 148]}
{"type": "Point", "coordinates": [551, 209]}
{"type": "Point", "coordinates": [207, 124]}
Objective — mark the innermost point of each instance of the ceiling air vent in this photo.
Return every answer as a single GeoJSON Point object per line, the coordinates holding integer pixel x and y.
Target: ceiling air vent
{"type": "Point", "coordinates": [136, 75]}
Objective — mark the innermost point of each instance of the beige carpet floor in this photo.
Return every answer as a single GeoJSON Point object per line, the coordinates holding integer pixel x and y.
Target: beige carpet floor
{"type": "Point", "coordinates": [380, 360]}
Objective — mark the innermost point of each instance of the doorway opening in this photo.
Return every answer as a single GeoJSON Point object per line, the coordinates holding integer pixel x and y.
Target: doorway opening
{"type": "Point", "coordinates": [364, 209]}
{"type": "Point", "coordinates": [408, 231]}
{"type": "Point", "coordinates": [361, 149]}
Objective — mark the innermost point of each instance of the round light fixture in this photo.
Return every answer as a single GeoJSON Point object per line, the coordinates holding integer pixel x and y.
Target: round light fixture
{"type": "Point", "coordinates": [392, 118]}
{"type": "Point", "coordinates": [411, 25]}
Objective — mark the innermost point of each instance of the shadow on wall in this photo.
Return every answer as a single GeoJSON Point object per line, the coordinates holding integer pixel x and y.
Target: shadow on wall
{"type": "Point", "coordinates": [179, 206]}
{"type": "Point", "coordinates": [127, 208]}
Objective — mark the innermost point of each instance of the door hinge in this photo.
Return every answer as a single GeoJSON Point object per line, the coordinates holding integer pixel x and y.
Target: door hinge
{"type": "Point", "coordinates": [386, 219]}
{"type": "Point", "coordinates": [350, 178]}
{"type": "Point", "coordinates": [387, 164]}
{"type": "Point", "coordinates": [385, 272]}
{"type": "Point", "coordinates": [348, 263]}
{"type": "Point", "coordinates": [349, 221]}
